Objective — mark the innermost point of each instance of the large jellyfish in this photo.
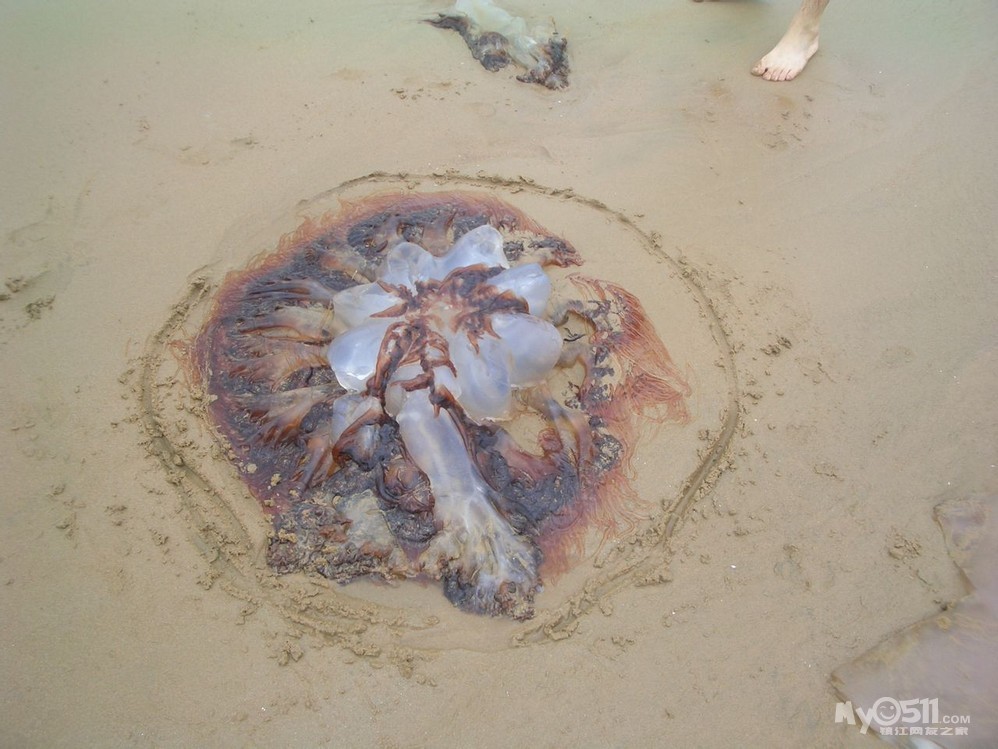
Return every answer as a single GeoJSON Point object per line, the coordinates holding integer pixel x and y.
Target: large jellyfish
{"type": "Point", "coordinates": [409, 396]}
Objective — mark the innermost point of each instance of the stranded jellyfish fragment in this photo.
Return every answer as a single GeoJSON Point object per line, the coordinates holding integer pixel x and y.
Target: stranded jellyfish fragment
{"type": "Point", "coordinates": [411, 393]}
{"type": "Point", "coordinates": [497, 38]}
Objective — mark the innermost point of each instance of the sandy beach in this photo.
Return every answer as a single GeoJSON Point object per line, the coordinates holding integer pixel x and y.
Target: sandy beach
{"type": "Point", "coordinates": [819, 257]}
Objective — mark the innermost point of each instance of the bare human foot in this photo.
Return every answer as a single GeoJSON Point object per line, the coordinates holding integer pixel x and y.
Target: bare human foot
{"type": "Point", "coordinates": [789, 57]}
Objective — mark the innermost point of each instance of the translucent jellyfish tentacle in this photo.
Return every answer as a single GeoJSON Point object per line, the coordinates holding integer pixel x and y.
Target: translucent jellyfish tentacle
{"type": "Point", "coordinates": [305, 324]}
{"type": "Point", "coordinates": [276, 362]}
{"type": "Point", "coordinates": [280, 415]}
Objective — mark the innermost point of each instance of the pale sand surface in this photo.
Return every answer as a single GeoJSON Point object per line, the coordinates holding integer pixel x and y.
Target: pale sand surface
{"type": "Point", "coordinates": [843, 226]}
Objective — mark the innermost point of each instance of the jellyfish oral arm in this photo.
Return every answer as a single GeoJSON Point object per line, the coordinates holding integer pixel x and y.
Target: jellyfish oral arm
{"type": "Point", "coordinates": [485, 565]}
{"type": "Point", "coordinates": [445, 341]}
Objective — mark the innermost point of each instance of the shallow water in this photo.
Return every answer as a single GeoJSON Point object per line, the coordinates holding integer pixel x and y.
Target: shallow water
{"type": "Point", "coordinates": [841, 224]}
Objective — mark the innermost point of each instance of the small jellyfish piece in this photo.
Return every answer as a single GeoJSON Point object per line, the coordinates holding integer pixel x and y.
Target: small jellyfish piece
{"type": "Point", "coordinates": [380, 359]}
{"type": "Point", "coordinates": [497, 38]}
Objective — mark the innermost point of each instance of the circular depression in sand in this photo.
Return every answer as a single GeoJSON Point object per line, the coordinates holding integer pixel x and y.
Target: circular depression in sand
{"type": "Point", "coordinates": [671, 464]}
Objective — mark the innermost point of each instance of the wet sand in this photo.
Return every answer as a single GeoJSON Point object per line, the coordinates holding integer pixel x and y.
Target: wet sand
{"type": "Point", "coordinates": [842, 226]}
